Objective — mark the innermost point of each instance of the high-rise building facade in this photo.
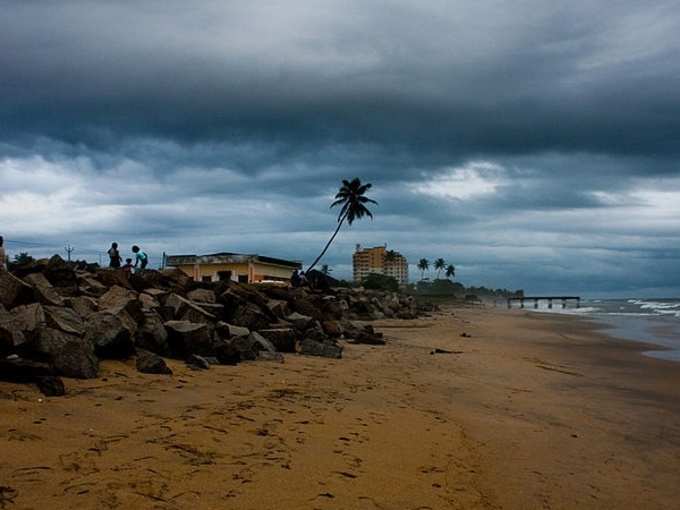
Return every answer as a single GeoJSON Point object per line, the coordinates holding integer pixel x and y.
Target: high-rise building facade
{"type": "Point", "coordinates": [379, 260]}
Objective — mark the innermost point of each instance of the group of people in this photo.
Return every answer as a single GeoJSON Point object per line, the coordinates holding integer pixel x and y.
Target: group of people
{"type": "Point", "coordinates": [115, 259]}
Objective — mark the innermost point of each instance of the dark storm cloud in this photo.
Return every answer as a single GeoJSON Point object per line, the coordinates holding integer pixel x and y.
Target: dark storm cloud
{"type": "Point", "coordinates": [456, 78]}
{"type": "Point", "coordinates": [533, 145]}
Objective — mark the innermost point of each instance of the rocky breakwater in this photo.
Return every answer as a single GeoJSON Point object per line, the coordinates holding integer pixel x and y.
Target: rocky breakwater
{"type": "Point", "coordinates": [60, 319]}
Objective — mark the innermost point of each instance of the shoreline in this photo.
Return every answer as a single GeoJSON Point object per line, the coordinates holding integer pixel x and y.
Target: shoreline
{"type": "Point", "coordinates": [607, 325]}
{"type": "Point", "coordinates": [529, 411]}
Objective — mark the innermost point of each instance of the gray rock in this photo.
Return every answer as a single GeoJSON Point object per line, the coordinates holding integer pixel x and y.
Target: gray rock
{"type": "Point", "coordinates": [311, 347]}
{"type": "Point", "coordinates": [70, 355]}
{"type": "Point", "coordinates": [13, 291]}
{"type": "Point", "coordinates": [151, 363]}
{"type": "Point", "coordinates": [109, 336]}
{"type": "Point", "coordinates": [185, 338]}
{"type": "Point", "coordinates": [152, 336]}
{"type": "Point", "coordinates": [202, 296]}
{"type": "Point", "coordinates": [197, 362]}
{"type": "Point", "coordinates": [226, 330]}
{"type": "Point", "coordinates": [299, 321]}
{"type": "Point", "coordinates": [64, 319]}
{"type": "Point", "coordinates": [283, 339]}
{"type": "Point", "coordinates": [51, 386]}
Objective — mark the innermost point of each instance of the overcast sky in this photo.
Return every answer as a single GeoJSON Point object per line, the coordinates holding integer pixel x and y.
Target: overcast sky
{"type": "Point", "coordinates": [532, 145]}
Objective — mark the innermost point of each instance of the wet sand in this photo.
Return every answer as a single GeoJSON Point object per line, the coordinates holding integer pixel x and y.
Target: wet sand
{"type": "Point", "coordinates": [531, 411]}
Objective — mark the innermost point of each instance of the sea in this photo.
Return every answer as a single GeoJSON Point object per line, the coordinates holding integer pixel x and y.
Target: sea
{"type": "Point", "coordinates": [655, 321]}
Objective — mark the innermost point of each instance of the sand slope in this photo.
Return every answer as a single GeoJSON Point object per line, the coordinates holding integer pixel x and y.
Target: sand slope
{"type": "Point", "coordinates": [533, 412]}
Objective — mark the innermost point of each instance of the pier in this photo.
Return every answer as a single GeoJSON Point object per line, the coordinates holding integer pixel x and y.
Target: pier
{"type": "Point", "coordinates": [549, 299]}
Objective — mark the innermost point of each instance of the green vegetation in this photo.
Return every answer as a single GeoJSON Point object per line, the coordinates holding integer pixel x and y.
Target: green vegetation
{"type": "Point", "coordinates": [380, 282]}
{"type": "Point", "coordinates": [351, 196]}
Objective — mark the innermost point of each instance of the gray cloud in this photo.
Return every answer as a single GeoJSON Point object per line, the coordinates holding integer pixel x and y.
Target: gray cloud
{"type": "Point", "coordinates": [531, 144]}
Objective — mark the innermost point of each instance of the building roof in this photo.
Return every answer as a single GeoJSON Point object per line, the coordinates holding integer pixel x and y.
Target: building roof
{"type": "Point", "coordinates": [228, 258]}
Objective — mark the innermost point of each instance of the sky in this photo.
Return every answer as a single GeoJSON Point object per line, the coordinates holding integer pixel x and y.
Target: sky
{"type": "Point", "coordinates": [531, 144]}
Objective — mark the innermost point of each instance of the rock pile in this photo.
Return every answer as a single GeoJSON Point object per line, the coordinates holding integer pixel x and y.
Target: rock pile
{"type": "Point", "coordinates": [61, 319]}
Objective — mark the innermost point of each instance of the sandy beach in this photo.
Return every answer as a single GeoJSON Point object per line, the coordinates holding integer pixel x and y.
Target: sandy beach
{"type": "Point", "coordinates": [529, 411]}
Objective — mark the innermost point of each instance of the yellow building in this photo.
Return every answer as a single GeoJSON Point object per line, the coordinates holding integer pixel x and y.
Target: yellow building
{"type": "Point", "coordinates": [379, 260]}
{"type": "Point", "coordinates": [233, 266]}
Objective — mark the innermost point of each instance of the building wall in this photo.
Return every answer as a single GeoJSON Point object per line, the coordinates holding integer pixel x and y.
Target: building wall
{"type": "Point", "coordinates": [255, 272]}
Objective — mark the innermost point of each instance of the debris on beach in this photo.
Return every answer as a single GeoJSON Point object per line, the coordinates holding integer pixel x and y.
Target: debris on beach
{"type": "Point", "coordinates": [61, 318]}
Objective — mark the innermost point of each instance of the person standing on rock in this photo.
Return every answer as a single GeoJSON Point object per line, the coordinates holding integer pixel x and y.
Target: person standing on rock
{"type": "Point", "coordinates": [295, 279]}
{"type": "Point", "coordinates": [3, 255]}
{"type": "Point", "coordinates": [141, 258]}
{"type": "Point", "coordinates": [114, 256]}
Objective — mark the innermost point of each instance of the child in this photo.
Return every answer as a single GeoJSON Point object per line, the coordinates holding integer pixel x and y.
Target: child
{"type": "Point", "coordinates": [141, 258]}
{"type": "Point", "coordinates": [128, 266]}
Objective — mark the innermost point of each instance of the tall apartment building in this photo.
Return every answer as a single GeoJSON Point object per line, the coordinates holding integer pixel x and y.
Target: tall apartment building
{"type": "Point", "coordinates": [379, 260]}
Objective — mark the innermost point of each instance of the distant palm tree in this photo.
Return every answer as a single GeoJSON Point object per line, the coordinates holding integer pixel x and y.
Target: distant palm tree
{"type": "Point", "coordinates": [325, 269]}
{"type": "Point", "coordinates": [450, 271]}
{"type": "Point", "coordinates": [423, 265]}
{"type": "Point", "coordinates": [439, 265]}
{"type": "Point", "coordinates": [351, 197]}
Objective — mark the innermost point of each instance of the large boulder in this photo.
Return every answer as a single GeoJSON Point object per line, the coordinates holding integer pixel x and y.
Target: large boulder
{"type": "Point", "coordinates": [13, 291]}
{"type": "Point", "coordinates": [113, 277]}
{"type": "Point", "coordinates": [124, 304]}
{"type": "Point", "coordinates": [311, 347]}
{"type": "Point", "coordinates": [64, 319]}
{"type": "Point", "coordinates": [332, 328]}
{"type": "Point", "coordinates": [175, 278]}
{"type": "Point", "coordinates": [227, 331]}
{"type": "Point", "coordinates": [283, 339]}
{"type": "Point", "coordinates": [227, 352]}
{"type": "Point", "coordinates": [202, 296]}
{"type": "Point", "coordinates": [89, 285]}
{"type": "Point", "coordinates": [185, 338]}
{"type": "Point", "coordinates": [250, 346]}
{"type": "Point", "coordinates": [278, 307]}
{"type": "Point", "coordinates": [51, 386]}
{"type": "Point", "coordinates": [151, 363]}
{"type": "Point", "coordinates": [43, 291]}
{"type": "Point", "coordinates": [28, 319]}
{"type": "Point", "coordinates": [70, 355]}
{"type": "Point", "coordinates": [153, 336]}
{"type": "Point", "coordinates": [148, 301]}
{"type": "Point", "coordinates": [60, 273]}
{"type": "Point", "coordinates": [84, 306]}
{"type": "Point", "coordinates": [109, 336]}
{"type": "Point", "coordinates": [250, 316]}
{"type": "Point", "coordinates": [185, 310]}
{"type": "Point", "coordinates": [11, 339]}
{"type": "Point", "coordinates": [301, 322]}
{"type": "Point", "coordinates": [20, 370]}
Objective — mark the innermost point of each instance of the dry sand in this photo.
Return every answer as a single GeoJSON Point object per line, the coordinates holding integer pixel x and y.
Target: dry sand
{"type": "Point", "coordinates": [532, 411]}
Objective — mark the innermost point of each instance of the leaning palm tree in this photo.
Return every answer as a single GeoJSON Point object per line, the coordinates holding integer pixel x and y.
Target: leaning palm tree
{"type": "Point", "coordinates": [450, 271]}
{"type": "Point", "coordinates": [439, 265]}
{"type": "Point", "coordinates": [351, 198]}
{"type": "Point", "coordinates": [423, 265]}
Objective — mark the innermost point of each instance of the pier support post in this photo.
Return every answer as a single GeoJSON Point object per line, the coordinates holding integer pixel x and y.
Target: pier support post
{"type": "Point", "coordinates": [521, 303]}
{"type": "Point", "coordinates": [550, 303]}
{"type": "Point", "coordinates": [509, 303]}
{"type": "Point", "coordinates": [535, 304]}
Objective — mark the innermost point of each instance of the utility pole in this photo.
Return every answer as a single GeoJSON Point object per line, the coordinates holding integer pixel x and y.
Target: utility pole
{"type": "Point", "coordinates": [69, 249]}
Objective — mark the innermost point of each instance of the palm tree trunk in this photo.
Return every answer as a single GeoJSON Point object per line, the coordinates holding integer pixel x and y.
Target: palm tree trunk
{"type": "Point", "coordinates": [342, 220]}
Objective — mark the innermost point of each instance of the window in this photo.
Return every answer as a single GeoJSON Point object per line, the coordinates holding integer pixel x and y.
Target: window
{"type": "Point", "coordinates": [243, 278]}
